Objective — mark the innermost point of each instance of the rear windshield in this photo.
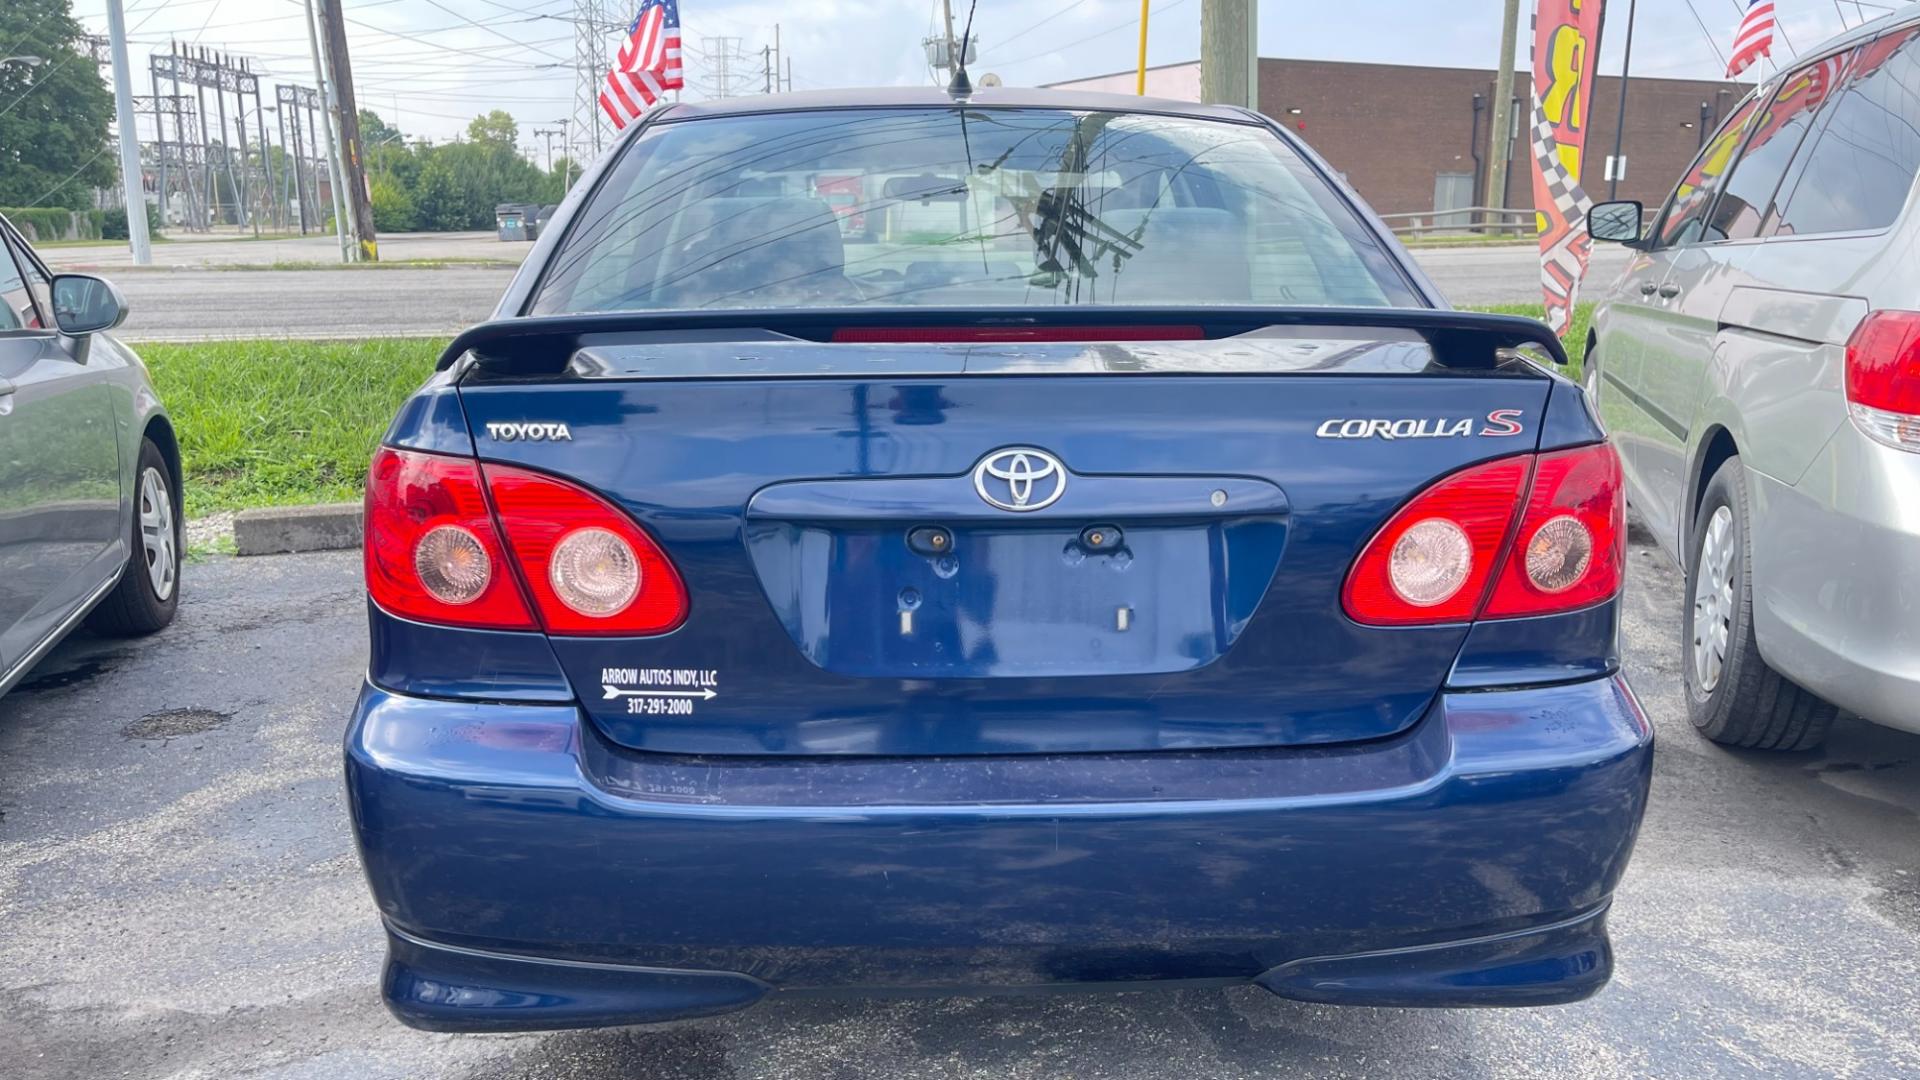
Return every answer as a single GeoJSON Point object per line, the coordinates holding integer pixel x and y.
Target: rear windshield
{"type": "Point", "coordinates": [959, 207]}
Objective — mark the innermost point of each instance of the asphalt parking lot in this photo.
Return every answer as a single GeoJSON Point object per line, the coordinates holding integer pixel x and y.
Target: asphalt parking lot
{"type": "Point", "coordinates": [179, 898]}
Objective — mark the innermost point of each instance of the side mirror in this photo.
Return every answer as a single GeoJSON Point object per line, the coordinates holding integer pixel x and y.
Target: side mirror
{"type": "Point", "coordinates": [84, 304]}
{"type": "Point", "coordinates": [1616, 221]}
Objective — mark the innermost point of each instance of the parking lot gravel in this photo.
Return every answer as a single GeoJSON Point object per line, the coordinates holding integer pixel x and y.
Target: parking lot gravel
{"type": "Point", "coordinates": [179, 898]}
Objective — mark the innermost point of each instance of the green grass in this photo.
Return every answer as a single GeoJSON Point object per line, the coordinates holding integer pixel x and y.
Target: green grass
{"type": "Point", "coordinates": [43, 245]}
{"type": "Point", "coordinates": [276, 423]}
{"type": "Point", "coordinates": [273, 423]}
{"type": "Point", "coordinates": [1576, 336]}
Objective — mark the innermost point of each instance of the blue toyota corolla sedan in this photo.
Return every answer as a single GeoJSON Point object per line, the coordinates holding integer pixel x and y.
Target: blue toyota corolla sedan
{"type": "Point", "coordinates": [891, 542]}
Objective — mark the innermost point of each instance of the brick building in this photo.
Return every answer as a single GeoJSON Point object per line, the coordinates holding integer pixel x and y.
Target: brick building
{"type": "Point", "coordinates": [1413, 139]}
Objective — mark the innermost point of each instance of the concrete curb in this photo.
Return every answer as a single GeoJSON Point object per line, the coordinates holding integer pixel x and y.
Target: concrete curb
{"type": "Point", "coordinates": [284, 530]}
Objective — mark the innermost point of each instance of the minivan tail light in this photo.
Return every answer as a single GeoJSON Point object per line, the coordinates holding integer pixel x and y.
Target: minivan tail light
{"type": "Point", "coordinates": [1883, 378]}
{"type": "Point", "coordinates": [1456, 552]}
{"type": "Point", "coordinates": [431, 550]}
{"type": "Point", "coordinates": [590, 569]}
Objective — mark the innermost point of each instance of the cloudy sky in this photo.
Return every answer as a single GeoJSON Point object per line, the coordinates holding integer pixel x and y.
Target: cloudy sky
{"type": "Point", "coordinates": [431, 65]}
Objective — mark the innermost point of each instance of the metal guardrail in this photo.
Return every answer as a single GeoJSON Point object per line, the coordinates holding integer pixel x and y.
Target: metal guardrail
{"type": "Point", "coordinates": [1466, 221]}
{"type": "Point", "coordinates": [1476, 221]}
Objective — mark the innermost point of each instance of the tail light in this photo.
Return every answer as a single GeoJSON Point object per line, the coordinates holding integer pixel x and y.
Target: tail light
{"type": "Point", "coordinates": [1456, 552]}
{"type": "Point", "coordinates": [435, 551]}
{"type": "Point", "coordinates": [1883, 378]}
{"type": "Point", "coordinates": [590, 569]}
{"type": "Point", "coordinates": [431, 549]}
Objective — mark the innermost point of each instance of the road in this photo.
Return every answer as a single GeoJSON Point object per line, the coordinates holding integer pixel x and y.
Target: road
{"type": "Point", "coordinates": [201, 297]}
{"type": "Point", "coordinates": [179, 898]}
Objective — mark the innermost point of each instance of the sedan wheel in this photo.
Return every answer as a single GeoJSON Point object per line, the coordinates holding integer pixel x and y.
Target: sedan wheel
{"type": "Point", "coordinates": [1713, 600]}
{"type": "Point", "coordinates": [157, 533]}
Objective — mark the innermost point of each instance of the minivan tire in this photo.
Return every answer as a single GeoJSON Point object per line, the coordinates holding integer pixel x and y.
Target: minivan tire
{"type": "Point", "coordinates": [1739, 701]}
{"type": "Point", "coordinates": [135, 606]}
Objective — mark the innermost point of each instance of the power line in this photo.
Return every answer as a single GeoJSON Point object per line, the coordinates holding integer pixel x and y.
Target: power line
{"type": "Point", "coordinates": [1116, 28]}
{"type": "Point", "coordinates": [70, 176]}
{"type": "Point", "coordinates": [48, 74]}
{"type": "Point", "coordinates": [1028, 30]}
{"type": "Point", "coordinates": [1711, 43]}
{"type": "Point", "coordinates": [491, 30]}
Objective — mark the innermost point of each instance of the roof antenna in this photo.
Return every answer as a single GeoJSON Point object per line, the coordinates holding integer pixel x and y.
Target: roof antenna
{"type": "Point", "coordinates": [961, 88]}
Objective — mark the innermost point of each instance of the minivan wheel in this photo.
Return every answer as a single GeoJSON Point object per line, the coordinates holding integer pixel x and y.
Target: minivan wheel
{"type": "Point", "coordinates": [149, 590]}
{"type": "Point", "coordinates": [1733, 697]}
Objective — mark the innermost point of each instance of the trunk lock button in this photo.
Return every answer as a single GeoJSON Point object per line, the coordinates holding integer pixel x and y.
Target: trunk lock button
{"type": "Point", "coordinates": [930, 540]}
{"type": "Point", "coordinates": [1100, 537]}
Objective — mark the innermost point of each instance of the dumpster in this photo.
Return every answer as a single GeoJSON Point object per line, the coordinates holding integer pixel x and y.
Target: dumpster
{"type": "Point", "coordinates": [517, 221]}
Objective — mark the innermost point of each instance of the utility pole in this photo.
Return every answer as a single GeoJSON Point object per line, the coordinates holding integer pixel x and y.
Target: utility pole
{"type": "Point", "coordinates": [947, 53]}
{"type": "Point", "coordinates": [353, 155]}
{"type": "Point", "coordinates": [1619, 163]}
{"type": "Point", "coordinates": [1230, 53]}
{"type": "Point", "coordinates": [776, 55]}
{"type": "Point", "coordinates": [334, 181]}
{"type": "Point", "coordinates": [1503, 109]}
{"type": "Point", "coordinates": [129, 138]}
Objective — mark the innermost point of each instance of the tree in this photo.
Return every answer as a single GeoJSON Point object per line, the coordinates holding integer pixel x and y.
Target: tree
{"type": "Point", "coordinates": [392, 207]}
{"type": "Point", "coordinates": [497, 126]}
{"type": "Point", "coordinates": [53, 116]}
{"type": "Point", "coordinates": [375, 131]}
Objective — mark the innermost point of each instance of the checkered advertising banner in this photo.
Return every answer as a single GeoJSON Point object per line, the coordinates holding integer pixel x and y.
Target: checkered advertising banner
{"type": "Point", "coordinates": [1566, 48]}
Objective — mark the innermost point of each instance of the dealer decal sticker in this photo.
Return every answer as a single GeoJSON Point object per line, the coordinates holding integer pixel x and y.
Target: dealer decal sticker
{"type": "Point", "coordinates": [660, 691]}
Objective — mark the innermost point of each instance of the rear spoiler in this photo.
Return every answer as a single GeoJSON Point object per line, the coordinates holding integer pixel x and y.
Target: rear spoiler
{"type": "Point", "coordinates": [543, 344]}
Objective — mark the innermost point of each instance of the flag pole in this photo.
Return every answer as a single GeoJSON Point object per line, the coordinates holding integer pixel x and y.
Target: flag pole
{"type": "Point", "coordinates": [1140, 79]}
{"type": "Point", "coordinates": [1620, 124]}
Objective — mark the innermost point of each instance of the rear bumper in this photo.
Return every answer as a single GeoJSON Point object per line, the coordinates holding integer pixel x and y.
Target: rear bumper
{"type": "Point", "coordinates": [1836, 578]}
{"type": "Point", "coordinates": [534, 877]}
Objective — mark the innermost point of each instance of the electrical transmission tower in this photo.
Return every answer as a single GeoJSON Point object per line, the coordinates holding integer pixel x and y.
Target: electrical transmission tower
{"type": "Point", "coordinates": [728, 73]}
{"type": "Point", "coordinates": [592, 29]}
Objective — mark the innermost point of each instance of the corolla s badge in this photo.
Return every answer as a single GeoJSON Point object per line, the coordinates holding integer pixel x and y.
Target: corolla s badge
{"type": "Point", "coordinates": [1500, 423]}
{"type": "Point", "coordinates": [1020, 479]}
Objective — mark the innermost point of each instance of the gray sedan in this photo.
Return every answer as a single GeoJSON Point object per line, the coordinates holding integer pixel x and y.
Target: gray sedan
{"type": "Point", "coordinates": [1758, 364]}
{"type": "Point", "coordinates": [89, 467]}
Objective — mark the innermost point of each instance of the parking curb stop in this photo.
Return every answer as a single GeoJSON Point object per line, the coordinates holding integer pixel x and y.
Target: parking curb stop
{"type": "Point", "coordinates": [283, 530]}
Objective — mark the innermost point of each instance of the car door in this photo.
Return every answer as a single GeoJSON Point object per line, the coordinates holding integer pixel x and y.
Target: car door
{"type": "Point", "coordinates": [1668, 365]}
{"type": "Point", "coordinates": [60, 496]}
{"type": "Point", "coordinates": [1637, 310]}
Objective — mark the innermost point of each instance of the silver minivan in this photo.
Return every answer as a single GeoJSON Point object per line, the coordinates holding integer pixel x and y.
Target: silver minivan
{"type": "Point", "coordinates": [1758, 364]}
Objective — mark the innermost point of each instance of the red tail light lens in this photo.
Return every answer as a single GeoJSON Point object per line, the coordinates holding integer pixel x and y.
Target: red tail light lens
{"type": "Point", "coordinates": [1571, 548]}
{"type": "Point", "coordinates": [1432, 561]}
{"type": "Point", "coordinates": [589, 568]}
{"type": "Point", "coordinates": [431, 550]}
{"type": "Point", "coordinates": [1883, 378]}
{"type": "Point", "coordinates": [434, 553]}
{"type": "Point", "coordinates": [1455, 554]}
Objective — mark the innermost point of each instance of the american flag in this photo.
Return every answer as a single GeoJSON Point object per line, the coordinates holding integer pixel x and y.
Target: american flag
{"type": "Point", "coordinates": [648, 64]}
{"type": "Point", "coordinates": [1754, 39]}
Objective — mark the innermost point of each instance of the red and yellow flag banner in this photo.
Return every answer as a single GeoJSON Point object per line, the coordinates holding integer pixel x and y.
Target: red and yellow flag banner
{"type": "Point", "coordinates": [1566, 48]}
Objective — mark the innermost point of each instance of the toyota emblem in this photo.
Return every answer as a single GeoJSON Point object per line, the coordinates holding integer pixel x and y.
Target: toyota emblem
{"type": "Point", "coordinates": [1020, 479]}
